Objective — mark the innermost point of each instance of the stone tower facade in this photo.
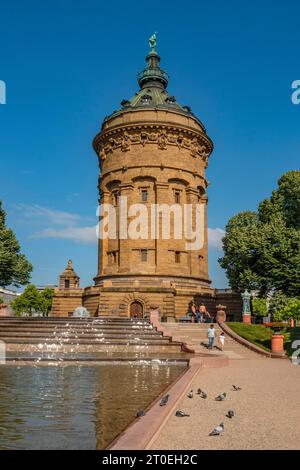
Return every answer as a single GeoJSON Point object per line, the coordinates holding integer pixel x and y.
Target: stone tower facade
{"type": "Point", "coordinates": [69, 294]}
{"type": "Point", "coordinates": [152, 152]}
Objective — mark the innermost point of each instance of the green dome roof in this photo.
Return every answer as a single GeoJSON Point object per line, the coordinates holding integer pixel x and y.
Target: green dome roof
{"type": "Point", "coordinates": [153, 92]}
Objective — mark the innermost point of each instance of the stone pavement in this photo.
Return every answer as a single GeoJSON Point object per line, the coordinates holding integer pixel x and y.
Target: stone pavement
{"type": "Point", "coordinates": [267, 408]}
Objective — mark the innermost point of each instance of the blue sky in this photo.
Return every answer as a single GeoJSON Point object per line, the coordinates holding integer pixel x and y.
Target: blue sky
{"type": "Point", "coordinates": [67, 64]}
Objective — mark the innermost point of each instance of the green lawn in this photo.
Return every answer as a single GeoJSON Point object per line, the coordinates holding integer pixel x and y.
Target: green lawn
{"type": "Point", "coordinates": [261, 336]}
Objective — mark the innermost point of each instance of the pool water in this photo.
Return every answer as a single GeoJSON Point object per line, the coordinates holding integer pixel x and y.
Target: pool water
{"type": "Point", "coordinates": [75, 406]}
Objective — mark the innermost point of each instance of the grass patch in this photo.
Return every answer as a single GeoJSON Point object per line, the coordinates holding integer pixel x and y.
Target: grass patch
{"type": "Point", "coordinates": [256, 334]}
{"type": "Point", "coordinates": [261, 336]}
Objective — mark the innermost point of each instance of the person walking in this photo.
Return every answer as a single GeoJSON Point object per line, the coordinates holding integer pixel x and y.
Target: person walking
{"type": "Point", "coordinates": [211, 333]}
{"type": "Point", "coordinates": [221, 341]}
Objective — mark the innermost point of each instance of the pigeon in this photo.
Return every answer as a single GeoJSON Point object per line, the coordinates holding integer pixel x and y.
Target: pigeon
{"type": "Point", "coordinates": [199, 391]}
{"type": "Point", "coordinates": [203, 395]}
{"type": "Point", "coordinates": [140, 413]}
{"type": "Point", "coordinates": [221, 397]}
{"type": "Point", "coordinates": [190, 394]}
{"type": "Point", "coordinates": [230, 414]}
{"type": "Point", "coordinates": [181, 414]}
{"type": "Point", "coordinates": [217, 430]}
{"type": "Point", "coordinates": [164, 400]}
{"type": "Point", "coordinates": [236, 388]}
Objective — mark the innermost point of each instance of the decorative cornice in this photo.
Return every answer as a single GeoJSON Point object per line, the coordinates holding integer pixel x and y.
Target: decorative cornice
{"type": "Point", "coordinates": [191, 190]}
{"type": "Point", "coordinates": [124, 137]}
{"type": "Point", "coordinates": [165, 167]}
{"type": "Point", "coordinates": [128, 185]}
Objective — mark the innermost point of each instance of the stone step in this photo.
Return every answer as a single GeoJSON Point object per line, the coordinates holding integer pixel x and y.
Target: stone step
{"type": "Point", "coordinates": [196, 333]}
{"type": "Point", "coordinates": [192, 335]}
{"type": "Point", "coordinates": [75, 324]}
{"type": "Point", "coordinates": [104, 329]}
{"type": "Point", "coordinates": [93, 341]}
{"type": "Point", "coordinates": [61, 323]}
{"type": "Point", "coordinates": [43, 333]}
{"type": "Point", "coordinates": [86, 319]}
{"type": "Point", "coordinates": [68, 334]}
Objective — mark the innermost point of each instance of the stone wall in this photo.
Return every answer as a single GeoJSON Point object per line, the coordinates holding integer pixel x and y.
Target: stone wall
{"type": "Point", "coordinates": [111, 299]}
{"type": "Point", "coordinates": [65, 301]}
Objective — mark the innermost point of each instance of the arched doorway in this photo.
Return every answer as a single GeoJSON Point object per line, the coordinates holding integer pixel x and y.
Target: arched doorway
{"type": "Point", "coordinates": [136, 310]}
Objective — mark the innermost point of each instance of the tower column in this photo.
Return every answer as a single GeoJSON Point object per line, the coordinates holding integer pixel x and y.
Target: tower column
{"type": "Point", "coordinates": [103, 243]}
{"type": "Point", "coordinates": [204, 251]}
{"type": "Point", "coordinates": [161, 251]}
{"type": "Point", "coordinates": [193, 255]}
{"type": "Point", "coordinates": [125, 244]}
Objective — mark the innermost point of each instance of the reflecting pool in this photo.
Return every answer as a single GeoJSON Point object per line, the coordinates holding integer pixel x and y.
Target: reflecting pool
{"type": "Point", "coordinates": [75, 405]}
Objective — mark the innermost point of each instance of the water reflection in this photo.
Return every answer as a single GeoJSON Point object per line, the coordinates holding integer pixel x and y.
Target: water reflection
{"type": "Point", "coordinates": [75, 406]}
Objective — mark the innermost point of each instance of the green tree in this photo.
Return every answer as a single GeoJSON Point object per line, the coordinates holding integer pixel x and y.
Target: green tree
{"type": "Point", "coordinates": [278, 302]}
{"type": "Point", "coordinates": [285, 200]}
{"type": "Point", "coordinates": [14, 267]}
{"type": "Point", "coordinates": [1, 300]}
{"type": "Point", "coordinates": [46, 297]}
{"type": "Point", "coordinates": [32, 300]}
{"type": "Point", "coordinates": [260, 306]}
{"type": "Point", "coordinates": [262, 249]}
{"type": "Point", "coordinates": [28, 302]}
{"type": "Point", "coordinates": [292, 309]}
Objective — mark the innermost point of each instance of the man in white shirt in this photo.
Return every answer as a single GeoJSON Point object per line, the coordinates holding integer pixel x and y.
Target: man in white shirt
{"type": "Point", "coordinates": [211, 332]}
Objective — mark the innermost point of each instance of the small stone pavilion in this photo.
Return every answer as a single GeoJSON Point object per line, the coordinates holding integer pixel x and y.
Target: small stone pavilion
{"type": "Point", "coordinates": [152, 150]}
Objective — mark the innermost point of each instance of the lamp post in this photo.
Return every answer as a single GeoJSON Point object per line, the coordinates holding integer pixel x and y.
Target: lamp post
{"type": "Point", "coordinates": [246, 307]}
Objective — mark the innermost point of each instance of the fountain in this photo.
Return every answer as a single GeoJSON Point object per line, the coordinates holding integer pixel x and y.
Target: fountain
{"type": "Point", "coordinates": [90, 356]}
{"type": "Point", "coordinates": [81, 312]}
{"type": "Point", "coordinates": [101, 336]}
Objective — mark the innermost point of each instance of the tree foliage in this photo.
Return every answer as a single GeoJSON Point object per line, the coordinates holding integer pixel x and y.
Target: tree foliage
{"type": "Point", "coordinates": [283, 308]}
{"type": "Point", "coordinates": [32, 300]}
{"type": "Point", "coordinates": [14, 267]}
{"type": "Point", "coordinates": [292, 309]}
{"type": "Point", "coordinates": [262, 248]}
{"type": "Point", "coordinates": [278, 302]}
{"type": "Point", "coordinates": [46, 297]}
{"type": "Point", "coordinates": [260, 306]}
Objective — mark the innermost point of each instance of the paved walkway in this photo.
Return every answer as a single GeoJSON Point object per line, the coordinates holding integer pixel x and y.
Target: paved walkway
{"type": "Point", "coordinates": [267, 409]}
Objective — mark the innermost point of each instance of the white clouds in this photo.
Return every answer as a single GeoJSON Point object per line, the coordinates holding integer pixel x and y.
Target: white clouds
{"type": "Point", "coordinates": [86, 235]}
{"type": "Point", "coordinates": [44, 214]}
{"type": "Point", "coordinates": [53, 223]}
{"type": "Point", "coordinates": [215, 236]}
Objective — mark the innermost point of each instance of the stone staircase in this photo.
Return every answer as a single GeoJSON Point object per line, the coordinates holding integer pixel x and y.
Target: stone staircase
{"type": "Point", "coordinates": [83, 334]}
{"type": "Point", "coordinates": [195, 335]}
